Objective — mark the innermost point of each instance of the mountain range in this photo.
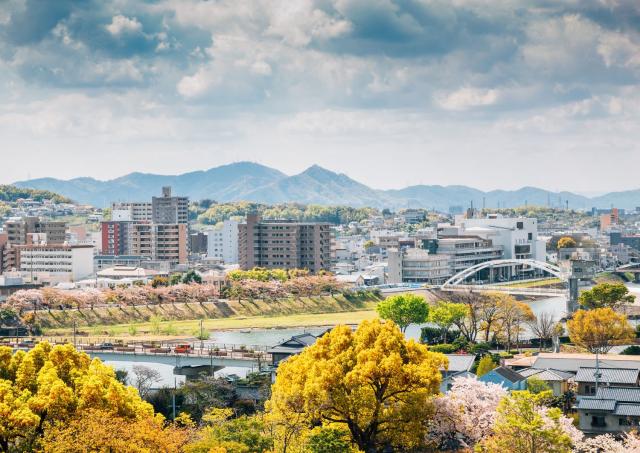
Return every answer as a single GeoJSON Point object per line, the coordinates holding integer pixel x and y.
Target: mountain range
{"type": "Point", "coordinates": [316, 185]}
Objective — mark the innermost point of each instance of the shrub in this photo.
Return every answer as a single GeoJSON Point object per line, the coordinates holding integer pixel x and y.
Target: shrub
{"type": "Point", "coordinates": [632, 350]}
{"type": "Point", "coordinates": [445, 348]}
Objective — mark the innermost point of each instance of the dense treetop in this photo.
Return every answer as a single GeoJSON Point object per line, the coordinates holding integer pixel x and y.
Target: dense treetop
{"type": "Point", "coordinates": [12, 193]}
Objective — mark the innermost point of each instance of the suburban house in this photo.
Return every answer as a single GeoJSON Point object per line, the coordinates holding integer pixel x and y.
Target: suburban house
{"type": "Point", "coordinates": [557, 380]}
{"type": "Point", "coordinates": [506, 377]}
{"type": "Point", "coordinates": [611, 410]}
{"type": "Point", "coordinates": [292, 346]}
{"type": "Point", "coordinates": [459, 366]}
{"type": "Point", "coordinates": [607, 377]}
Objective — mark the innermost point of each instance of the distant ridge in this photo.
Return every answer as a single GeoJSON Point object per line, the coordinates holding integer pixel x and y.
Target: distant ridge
{"type": "Point", "coordinates": [316, 185]}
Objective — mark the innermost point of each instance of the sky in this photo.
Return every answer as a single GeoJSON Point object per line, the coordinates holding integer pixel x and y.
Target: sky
{"type": "Point", "coordinates": [494, 94]}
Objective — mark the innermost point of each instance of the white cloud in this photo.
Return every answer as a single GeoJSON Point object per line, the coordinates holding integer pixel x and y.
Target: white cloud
{"type": "Point", "coordinates": [121, 24]}
{"type": "Point", "coordinates": [467, 97]}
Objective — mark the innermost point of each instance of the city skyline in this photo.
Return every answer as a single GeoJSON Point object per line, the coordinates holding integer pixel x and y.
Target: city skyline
{"type": "Point", "coordinates": [493, 95]}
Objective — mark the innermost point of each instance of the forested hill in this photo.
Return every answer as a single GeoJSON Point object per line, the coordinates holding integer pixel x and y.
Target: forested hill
{"type": "Point", "coordinates": [10, 194]}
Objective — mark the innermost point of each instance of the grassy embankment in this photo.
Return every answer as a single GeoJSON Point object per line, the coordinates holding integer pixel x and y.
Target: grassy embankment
{"type": "Point", "coordinates": [182, 319]}
{"type": "Point", "coordinates": [534, 284]}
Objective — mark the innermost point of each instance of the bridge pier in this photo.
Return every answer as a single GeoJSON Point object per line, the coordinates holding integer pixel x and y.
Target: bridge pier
{"type": "Point", "coordinates": [194, 372]}
{"type": "Point", "coordinates": [572, 300]}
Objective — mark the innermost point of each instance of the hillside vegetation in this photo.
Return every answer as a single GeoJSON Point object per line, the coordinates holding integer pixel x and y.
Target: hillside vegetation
{"type": "Point", "coordinates": [115, 315]}
{"type": "Point", "coordinates": [11, 194]}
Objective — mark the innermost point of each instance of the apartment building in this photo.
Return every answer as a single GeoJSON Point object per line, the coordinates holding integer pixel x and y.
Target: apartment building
{"type": "Point", "coordinates": [168, 209]}
{"type": "Point", "coordinates": [115, 237]}
{"type": "Point", "coordinates": [284, 244]}
{"type": "Point", "coordinates": [161, 242]}
{"type": "Point", "coordinates": [132, 212]}
{"type": "Point", "coordinates": [54, 263]}
{"type": "Point", "coordinates": [222, 243]}
{"type": "Point", "coordinates": [19, 230]}
{"type": "Point", "coordinates": [163, 209]}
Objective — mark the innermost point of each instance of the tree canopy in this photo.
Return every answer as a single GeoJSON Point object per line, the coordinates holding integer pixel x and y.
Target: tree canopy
{"type": "Point", "coordinates": [51, 384]}
{"type": "Point", "coordinates": [600, 329]}
{"type": "Point", "coordinates": [404, 309]}
{"type": "Point", "coordinates": [606, 295]}
{"type": "Point", "coordinates": [372, 382]}
{"type": "Point", "coordinates": [567, 242]}
{"type": "Point", "coordinates": [12, 193]}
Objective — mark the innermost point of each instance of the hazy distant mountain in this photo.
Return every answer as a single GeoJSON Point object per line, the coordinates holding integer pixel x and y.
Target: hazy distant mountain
{"type": "Point", "coordinates": [316, 185]}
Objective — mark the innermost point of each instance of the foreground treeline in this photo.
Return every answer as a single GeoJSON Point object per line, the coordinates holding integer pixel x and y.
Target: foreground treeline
{"type": "Point", "coordinates": [367, 390]}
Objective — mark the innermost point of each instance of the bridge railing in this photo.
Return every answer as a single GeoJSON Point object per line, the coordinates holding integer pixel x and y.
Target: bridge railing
{"type": "Point", "coordinates": [503, 288]}
{"type": "Point", "coordinates": [195, 349]}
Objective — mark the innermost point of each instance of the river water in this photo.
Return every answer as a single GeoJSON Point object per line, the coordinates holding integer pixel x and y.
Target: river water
{"type": "Point", "coordinates": [270, 337]}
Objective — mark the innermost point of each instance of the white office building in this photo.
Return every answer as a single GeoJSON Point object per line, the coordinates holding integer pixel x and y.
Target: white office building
{"type": "Point", "coordinates": [222, 243]}
{"type": "Point", "coordinates": [518, 236]}
{"type": "Point", "coordinates": [55, 263]}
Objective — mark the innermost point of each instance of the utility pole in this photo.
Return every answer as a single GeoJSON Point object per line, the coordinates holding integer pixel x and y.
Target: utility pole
{"type": "Point", "coordinates": [74, 333]}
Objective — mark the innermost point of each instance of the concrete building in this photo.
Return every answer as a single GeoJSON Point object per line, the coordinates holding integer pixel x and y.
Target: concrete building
{"type": "Point", "coordinates": [518, 236]}
{"type": "Point", "coordinates": [19, 229]}
{"type": "Point", "coordinates": [198, 243]}
{"type": "Point", "coordinates": [162, 242]}
{"type": "Point", "coordinates": [169, 209]}
{"type": "Point", "coordinates": [115, 237]}
{"type": "Point", "coordinates": [54, 263]}
{"type": "Point", "coordinates": [132, 212]}
{"type": "Point", "coordinates": [222, 243]}
{"type": "Point", "coordinates": [284, 244]}
{"type": "Point", "coordinates": [467, 251]}
{"type": "Point", "coordinates": [418, 266]}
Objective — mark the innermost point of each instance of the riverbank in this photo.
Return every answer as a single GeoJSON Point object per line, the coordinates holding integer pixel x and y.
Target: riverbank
{"type": "Point", "coordinates": [184, 319]}
{"type": "Point", "coordinates": [190, 328]}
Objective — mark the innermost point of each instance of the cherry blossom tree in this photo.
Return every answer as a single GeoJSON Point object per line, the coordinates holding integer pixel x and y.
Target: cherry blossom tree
{"type": "Point", "coordinates": [466, 413]}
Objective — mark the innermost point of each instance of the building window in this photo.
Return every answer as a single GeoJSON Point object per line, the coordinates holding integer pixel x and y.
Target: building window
{"type": "Point", "coordinates": [519, 225]}
{"type": "Point", "coordinates": [598, 421]}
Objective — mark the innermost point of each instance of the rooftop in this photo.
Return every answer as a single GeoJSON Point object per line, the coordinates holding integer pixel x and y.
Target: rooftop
{"type": "Point", "coordinates": [608, 375]}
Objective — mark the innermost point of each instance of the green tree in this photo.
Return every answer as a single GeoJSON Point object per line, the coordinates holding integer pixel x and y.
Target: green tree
{"type": "Point", "coordinates": [329, 439]}
{"type": "Point", "coordinates": [369, 244]}
{"type": "Point", "coordinates": [536, 385]}
{"type": "Point", "coordinates": [606, 295]}
{"type": "Point", "coordinates": [485, 365]}
{"type": "Point", "coordinates": [221, 433]}
{"type": "Point", "coordinates": [404, 309]}
{"type": "Point", "coordinates": [445, 314]}
{"type": "Point", "coordinates": [191, 277]}
{"type": "Point", "coordinates": [525, 425]}
{"type": "Point", "coordinates": [175, 279]}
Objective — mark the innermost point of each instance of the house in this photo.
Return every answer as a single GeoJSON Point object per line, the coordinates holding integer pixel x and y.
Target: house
{"type": "Point", "coordinates": [506, 377]}
{"type": "Point", "coordinates": [610, 410]}
{"type": "Point", "coordinates": [609, 377]}
{"type": "Point", "coordinates": [573, 362]}
{"type": "Point", "coordinates": [459, 366]}
{"type": "Point", "coordinates": [292, 346]}
{"type": "Point", "coordinates": [557, 380]}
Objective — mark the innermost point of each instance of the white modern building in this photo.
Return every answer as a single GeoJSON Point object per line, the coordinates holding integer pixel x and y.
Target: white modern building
{"type": "Point", "coordinates": [55, 263]}
{"type": "Point", "coordinates": [222, 243]}
{"type": "Point", "coordinates": [518, 236]}
{"type": "Point", "coordinates": [418, 266]}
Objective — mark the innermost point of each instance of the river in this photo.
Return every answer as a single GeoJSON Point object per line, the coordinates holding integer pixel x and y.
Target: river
{"type": "Point", "coordinates": [270, 337]}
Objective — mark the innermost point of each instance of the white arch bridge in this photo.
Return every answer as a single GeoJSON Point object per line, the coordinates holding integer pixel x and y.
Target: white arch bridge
{"type": "Point", "coordinates": [456, 283]}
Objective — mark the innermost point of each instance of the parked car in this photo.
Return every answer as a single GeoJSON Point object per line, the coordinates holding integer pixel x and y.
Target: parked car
{"type": "Point", "coordinates": [106, 346]}
{"type": "Point", "coordinates": [182, 349]}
